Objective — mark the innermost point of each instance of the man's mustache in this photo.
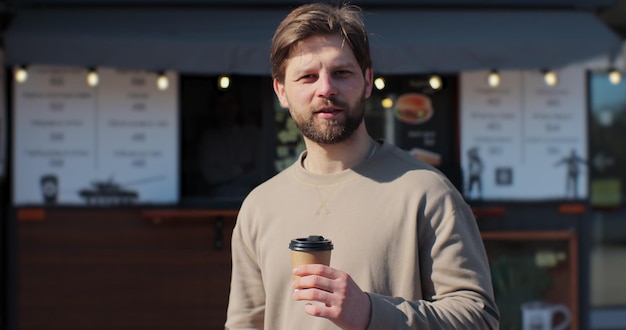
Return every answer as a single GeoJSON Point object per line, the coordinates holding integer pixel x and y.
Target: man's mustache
{"type": "Point", "coordinates": [333, 102]}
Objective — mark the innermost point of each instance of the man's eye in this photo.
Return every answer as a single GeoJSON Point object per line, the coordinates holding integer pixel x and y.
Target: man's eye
{"type": "Point", "coordinates": [343, 73]}
{"type": "Point", "coordinates": [307, 77]}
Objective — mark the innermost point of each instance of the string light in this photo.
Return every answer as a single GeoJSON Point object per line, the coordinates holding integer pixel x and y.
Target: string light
{"type": "Point", "coordinates": [615, 77]}
{"type": "Point", "coordinates": [550, 78]}
{"type": "Point", "coordinates": [435, 82]}
{"type": "Point", "coordinates": [379, 83]}
{"type": "Point", "coordinates": [20, 74]}
{"type": "Point", "coordinates": [223, 82]}
{"type": "Point", "coordinates": [387, 103]}
{"type": "Point", "coordinates": [162, 82]}
{"type": "Point", "coordinates": [92, 78]}
{"type": "Point", "coordinates": [493, 79]}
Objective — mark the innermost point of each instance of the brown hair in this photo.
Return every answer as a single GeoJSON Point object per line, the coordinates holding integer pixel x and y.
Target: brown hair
{"type": "Point", "coordinates": [319, 19]}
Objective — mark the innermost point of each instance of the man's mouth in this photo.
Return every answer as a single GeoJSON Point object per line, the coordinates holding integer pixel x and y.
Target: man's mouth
{"type": "Point", "coordinates": [327, 109]}
{"type": "Point", "coordinates": [327, 112]}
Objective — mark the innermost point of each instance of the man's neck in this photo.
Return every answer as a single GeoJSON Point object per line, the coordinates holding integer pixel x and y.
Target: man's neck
{"type": "Point", "coordinates": [333, 158]}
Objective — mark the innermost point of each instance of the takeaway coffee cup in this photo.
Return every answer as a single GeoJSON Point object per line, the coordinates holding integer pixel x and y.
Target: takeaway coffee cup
{"type": "Point", "coordinates": [310, 250]}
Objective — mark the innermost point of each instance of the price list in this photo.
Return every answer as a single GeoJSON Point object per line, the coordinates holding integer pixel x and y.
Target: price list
{"type": "Point", "coordinates": [53, 129]}
{"type": "Point", "coordinates": [77, 144]}
{"type": "Point", "coordinates": [555, 138]}
{"type": "Point", "coordinates": [521, 139]}
{"type": "Point", "coordinates": [138, 129]}
{"type": "Point", "coordinates": [491, 132]}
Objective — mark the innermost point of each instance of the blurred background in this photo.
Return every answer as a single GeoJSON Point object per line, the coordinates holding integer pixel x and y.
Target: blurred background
{"type": "Point", "coordinates": [131, 131]}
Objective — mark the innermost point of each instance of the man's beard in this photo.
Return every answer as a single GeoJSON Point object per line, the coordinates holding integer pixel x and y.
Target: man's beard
{"type": "Point", "coordinates": [331, 131]}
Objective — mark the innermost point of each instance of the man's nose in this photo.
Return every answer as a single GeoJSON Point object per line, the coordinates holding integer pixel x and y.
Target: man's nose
{"type": "Point", "coordinates": [326, 85]}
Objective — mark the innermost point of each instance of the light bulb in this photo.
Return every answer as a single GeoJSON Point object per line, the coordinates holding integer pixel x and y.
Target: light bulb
{"type": "Point", "coordinates": [615, 77]}
{"type": "Point", "coordinates": [162, 82]}
{"type": "Point", "coordinates": [21, 75]}
{"type": "Point", "coordinates": [493, 79]}
{"type": "Point", "coordinates": [387, 103]}
{"type": "Point", "coordinates": [435, 82]}
{"type": "Point", "coordinates": [379, 83]}
{"type": "Point", "coordinates": [223, 82]}
{"type": "Point", "coordinates": [550, 78]}
{"type": "Point", "coordinates": [92, 78]}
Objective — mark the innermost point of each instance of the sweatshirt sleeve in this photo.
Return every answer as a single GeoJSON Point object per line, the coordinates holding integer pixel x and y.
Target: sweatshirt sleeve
{"type": "Point", "coordinates": [454, 271]}
{"type": "Point", "coordinates": [246, 305]}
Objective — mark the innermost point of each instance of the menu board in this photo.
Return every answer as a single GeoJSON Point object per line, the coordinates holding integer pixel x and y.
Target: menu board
{"type": "Point", "coordinates": [607, 128]}
{"type": "Point", "coordinates": [112, 144]}
{"type": "Point", "coordinates": [423, 126]}
{"type": "Point", "coordinates": [524, 140]}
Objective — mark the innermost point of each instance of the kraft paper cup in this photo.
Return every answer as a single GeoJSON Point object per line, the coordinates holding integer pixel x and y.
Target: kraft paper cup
{"type": "Point", "coordinates": [310, 250]}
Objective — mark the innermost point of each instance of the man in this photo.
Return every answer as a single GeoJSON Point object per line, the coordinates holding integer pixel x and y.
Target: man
{"type": "Point", "coordinates": [407, 251]}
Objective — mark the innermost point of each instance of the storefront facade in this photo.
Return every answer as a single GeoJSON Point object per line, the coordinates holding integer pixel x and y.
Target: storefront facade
{"type": "Point", "coordinates": [137, 189]}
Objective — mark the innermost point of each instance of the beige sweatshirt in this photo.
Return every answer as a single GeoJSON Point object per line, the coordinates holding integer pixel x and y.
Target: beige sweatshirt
{"type": "Point", "coordinates": [399, 228]}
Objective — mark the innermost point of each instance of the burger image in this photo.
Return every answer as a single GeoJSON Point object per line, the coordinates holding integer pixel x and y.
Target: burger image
{"type": "Point", "coordinates": [414, 108]}
{"type": "Point", "coordinates": [427, 156]}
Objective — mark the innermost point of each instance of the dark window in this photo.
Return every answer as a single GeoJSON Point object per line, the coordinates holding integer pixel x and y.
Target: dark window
{"type": "Point", "coordinates": [223, 138]}
{"type": "Point", "coordinates": [233, 140]}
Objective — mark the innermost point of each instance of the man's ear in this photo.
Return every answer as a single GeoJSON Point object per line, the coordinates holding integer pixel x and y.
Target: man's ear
{"type": "Point", "coordinates": [369, 81]}
{"type": "Point", "coordinates": [279, 89]}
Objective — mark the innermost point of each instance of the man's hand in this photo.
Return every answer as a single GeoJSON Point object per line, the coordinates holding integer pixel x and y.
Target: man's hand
{"type": "Point", "coordinates": [343, 301]}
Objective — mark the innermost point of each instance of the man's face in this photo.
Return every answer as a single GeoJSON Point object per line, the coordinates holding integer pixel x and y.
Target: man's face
{"type": "Point", "coordinates": [324, 89]}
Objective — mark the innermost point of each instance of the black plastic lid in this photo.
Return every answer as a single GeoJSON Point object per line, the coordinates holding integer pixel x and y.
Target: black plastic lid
{"type": "Point", "coordinates": [311, 243]}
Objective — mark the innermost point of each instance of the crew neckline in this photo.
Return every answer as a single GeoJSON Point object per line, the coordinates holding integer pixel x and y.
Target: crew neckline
{"type": "Point", "coordinates": [382, 148]}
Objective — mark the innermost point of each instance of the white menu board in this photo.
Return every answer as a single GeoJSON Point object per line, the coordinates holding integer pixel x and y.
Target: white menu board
{"type": "Point", "coordinates": [524, 140]}
{"type": "Point", "coordinates": [113, 144]}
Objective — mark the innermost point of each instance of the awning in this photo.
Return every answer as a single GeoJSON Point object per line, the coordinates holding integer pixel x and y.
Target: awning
{"type": "Point", "coordinates": [216, 41]}
{"type": "Point", "coordinates": [194, 41]}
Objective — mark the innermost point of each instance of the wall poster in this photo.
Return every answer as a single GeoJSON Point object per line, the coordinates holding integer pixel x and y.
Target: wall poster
{"type": "Point", "coordinates": [423, 126]}
{"type": "Point", "coordinates": [607, 129]}
{"type": "Point", "coordinates": [524, 140]}
{"type": "Point", "coordinates": [112, 144]}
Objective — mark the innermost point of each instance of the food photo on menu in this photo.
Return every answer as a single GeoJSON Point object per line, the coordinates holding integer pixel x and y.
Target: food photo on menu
{"type": "Point", "coordinates": [413, 110]}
